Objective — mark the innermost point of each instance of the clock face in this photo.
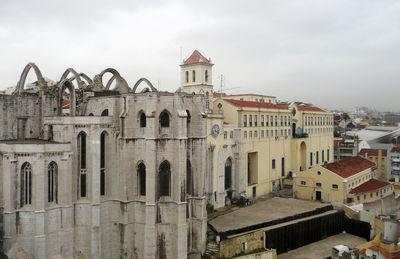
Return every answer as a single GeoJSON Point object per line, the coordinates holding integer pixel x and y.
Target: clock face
{"type": "Point", "coordinates": [215, 130]}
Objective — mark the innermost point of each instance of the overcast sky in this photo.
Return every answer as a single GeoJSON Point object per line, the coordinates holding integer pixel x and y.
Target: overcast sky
{"type": "Point", "coordinates": [334, 54]}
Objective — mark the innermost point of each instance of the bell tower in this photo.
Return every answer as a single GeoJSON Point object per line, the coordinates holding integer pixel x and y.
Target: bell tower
{"type": "Point", "coordinates": [196, 74]}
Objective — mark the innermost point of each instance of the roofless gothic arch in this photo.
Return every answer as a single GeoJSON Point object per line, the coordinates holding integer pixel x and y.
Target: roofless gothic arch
{"type": "Point", "coordinates": [66, 84]}
{"type": "Point", "coordinates": [153, 89]}
{"type": "Point", "coordinates": [121, 85]}
{"type": "Point", "coordinates": [21, 83]}
{"type": "Point", "coordinates": [76, 77]}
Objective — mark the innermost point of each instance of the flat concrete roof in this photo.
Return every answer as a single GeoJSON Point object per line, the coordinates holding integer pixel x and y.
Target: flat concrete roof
{"type": "Point", "coordinates": [323, 248]}
{"type": "Point", "coordinates": [263, 211]}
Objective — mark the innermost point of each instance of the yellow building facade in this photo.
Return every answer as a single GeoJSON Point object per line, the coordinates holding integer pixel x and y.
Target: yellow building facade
{"type": "Point", "coordinates": [278, 140]}
{"type": "Point", "coordinates": [378, 156]}
{"type": "Point", "coordinates": [351, 180]}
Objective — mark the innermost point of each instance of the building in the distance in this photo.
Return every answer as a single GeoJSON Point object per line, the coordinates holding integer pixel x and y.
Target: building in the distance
{"type": "Point", "coordinates": [379, 157]}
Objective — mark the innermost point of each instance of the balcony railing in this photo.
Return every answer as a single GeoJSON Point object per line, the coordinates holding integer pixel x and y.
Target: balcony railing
{"type": "Point", "coordinates": [396, 160]}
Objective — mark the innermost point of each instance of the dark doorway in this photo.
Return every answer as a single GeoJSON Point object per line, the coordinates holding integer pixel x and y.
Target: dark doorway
{"type": "Point", "coordinates": [318, 195]}
{"type": "Point", "coordinates": [254, 192]}
{"type": "Point", "coordinates": [283, 166]}
{"type": "Point", "coordinates": [228, 173]}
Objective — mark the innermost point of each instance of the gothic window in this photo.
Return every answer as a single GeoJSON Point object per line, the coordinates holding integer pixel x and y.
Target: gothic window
{"type": "Point", "coordinates": [189, 178]}
{"type": "Point", "coordinates": [228, 173]}
{"type": "Point", "coordinates": [26, 184]}
{"type": "Point", "coordinates": [104, 113]}
{"type": "Point", "coordinates": [164, 119]}
{"type": "Point", "coordinates": [164, 179]}
{"type": "Point", "coordinates": [52, 182]}
{"type": "Point", "coordinates": [103, 140]}
{"type": "Point", "coordinates": [194, 76]}
{"type": "Point", "coordinates": [142, 118]}
{"type": "Point", "coordinates": [82, 163]}
{"type": "Point", "coordinates": [141, 173]}
{"type": "Point", "coordinates": [187, 76]}
{"type": "Point", "coordinates": [206, 75]}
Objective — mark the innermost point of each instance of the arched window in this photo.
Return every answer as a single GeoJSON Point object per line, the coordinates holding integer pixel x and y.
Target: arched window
{"type": "Point", "coordinates": [26, 184]}
{"type": "Point", "coordinates": [164, 179]}
{"type": "Point", "coordinates": [82, 164]}
{"type": "Point", "coordinates": [141, 174]}
{"type": "Point", "coordinates": [188, 119]}
{"type": "Point", "coordinates": [164, 119]}
{"type": "Point", "coordinates": [142, 119]}
{"type": "Point", "coordinates": [91, 114]}
{"type": "Point", "coordinates": [104, 113]}
{"type": "Point", "coordinates": [103, 155]}
{"type": "Point", "coordinates": [189, 178]}
{"type": "Point", "coordinates": [187, 76]}
{"type": "Point", "coordinates": [206, 75]}
{"type": "Point", "coordinates": [194, 76]}
{"type": "Point", "coordinates": [52, 182]}
{"type": "Point", "coordinates": [228, 173]}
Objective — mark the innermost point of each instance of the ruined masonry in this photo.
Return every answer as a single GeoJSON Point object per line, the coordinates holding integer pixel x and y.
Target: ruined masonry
{"type": "Point", "coordinates": [94, 171]}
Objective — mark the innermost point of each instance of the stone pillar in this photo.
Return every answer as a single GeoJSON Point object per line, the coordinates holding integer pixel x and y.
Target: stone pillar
{"type": "Point", "coordinates": [39, 191]}
{"type": "Point", "coordinates": [94, 192]}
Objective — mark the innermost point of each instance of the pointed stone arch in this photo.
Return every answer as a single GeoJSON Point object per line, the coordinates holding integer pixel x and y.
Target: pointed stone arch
{"type": "Point", "coordinates": [153, 89]}
{"type": "Point", "coordinates": [21, 83]}
{"type": "Point", "coordinates": [121, 85]}
{"type": "Point", "coordinates": [66, 84]}
{"type": "Point", "coordinates": [77, 77]}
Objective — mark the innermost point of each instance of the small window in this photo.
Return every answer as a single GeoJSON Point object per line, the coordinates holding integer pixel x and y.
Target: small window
{"type": "Point", "coordinates": [225, 135]}
{"type": "Point", "coordinates": [273, 163]}
{"type": "Point", "coordinates": [206, 75]}
{"type": "Point", "coordinates": [262, 133]}
{"type": "Point", "coordinates": [303, 183]}
{"type": "Point", "coordinates": [231, 134]}
{"type": "Point", "coordinates": [250, 120]}
{"type": "Point", "coordinates": [245, 134]}
{"type": "Point", "coordinates": [245, 120]}
{"type": "Point", "coordinates": [187, 76]}
{"type": "Point", "coordinates": [142, 120]}
{"type": "Point", "coordinates": [193, 76]}
{"type": "Point", "coordinates": [318, 184]}
{"type": "Point", "coordinates": [256, 134]}
{"type": "Point", "coordinates": [141, 173]}
{"type": "Point", "coordinates": [335, 186]}
{"type": "Point", "coordinates": [250, 134]}
{"type": "Point", "coordinates": [255, 120]}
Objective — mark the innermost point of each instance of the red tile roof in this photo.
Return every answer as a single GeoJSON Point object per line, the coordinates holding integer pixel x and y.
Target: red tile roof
{"type": "Point", "coordinates": [257, 104]}
{"type": "Point", "coordinates": [196, 57]}
{"type": "Point", "coordinates": [349, 166]}
{"type": "Point", "coordinates": [371, 185]}
{"type": "Point", "coordinates": [310, 108]}
{"type": "Point", "coordinates": [395, 150]}
{"type": "Point", "coordinates": [336, 142]}
{"type": "Point", "coordinates": [65, 104]}
{"type": "Point", "coordinates": [219, 94]}
{"type": "Point", "coordinates": [372, 151]}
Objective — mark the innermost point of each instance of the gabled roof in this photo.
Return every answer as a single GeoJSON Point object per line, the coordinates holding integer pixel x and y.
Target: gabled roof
{"type": "Point", "coordinates": [372, 151]}
{"type": "Point", "coordinates": [371, 185]}
{"type": "Point", "coordinates": [395, 150]}
{"type": "Point", "coordinates": [196, 57]}
{"type": "Point", "coordinates": [257, 104]}
{"type": "Point", "coordinates": [349, 166]}
{"type": "Point", "coordinates": [310, 108]}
